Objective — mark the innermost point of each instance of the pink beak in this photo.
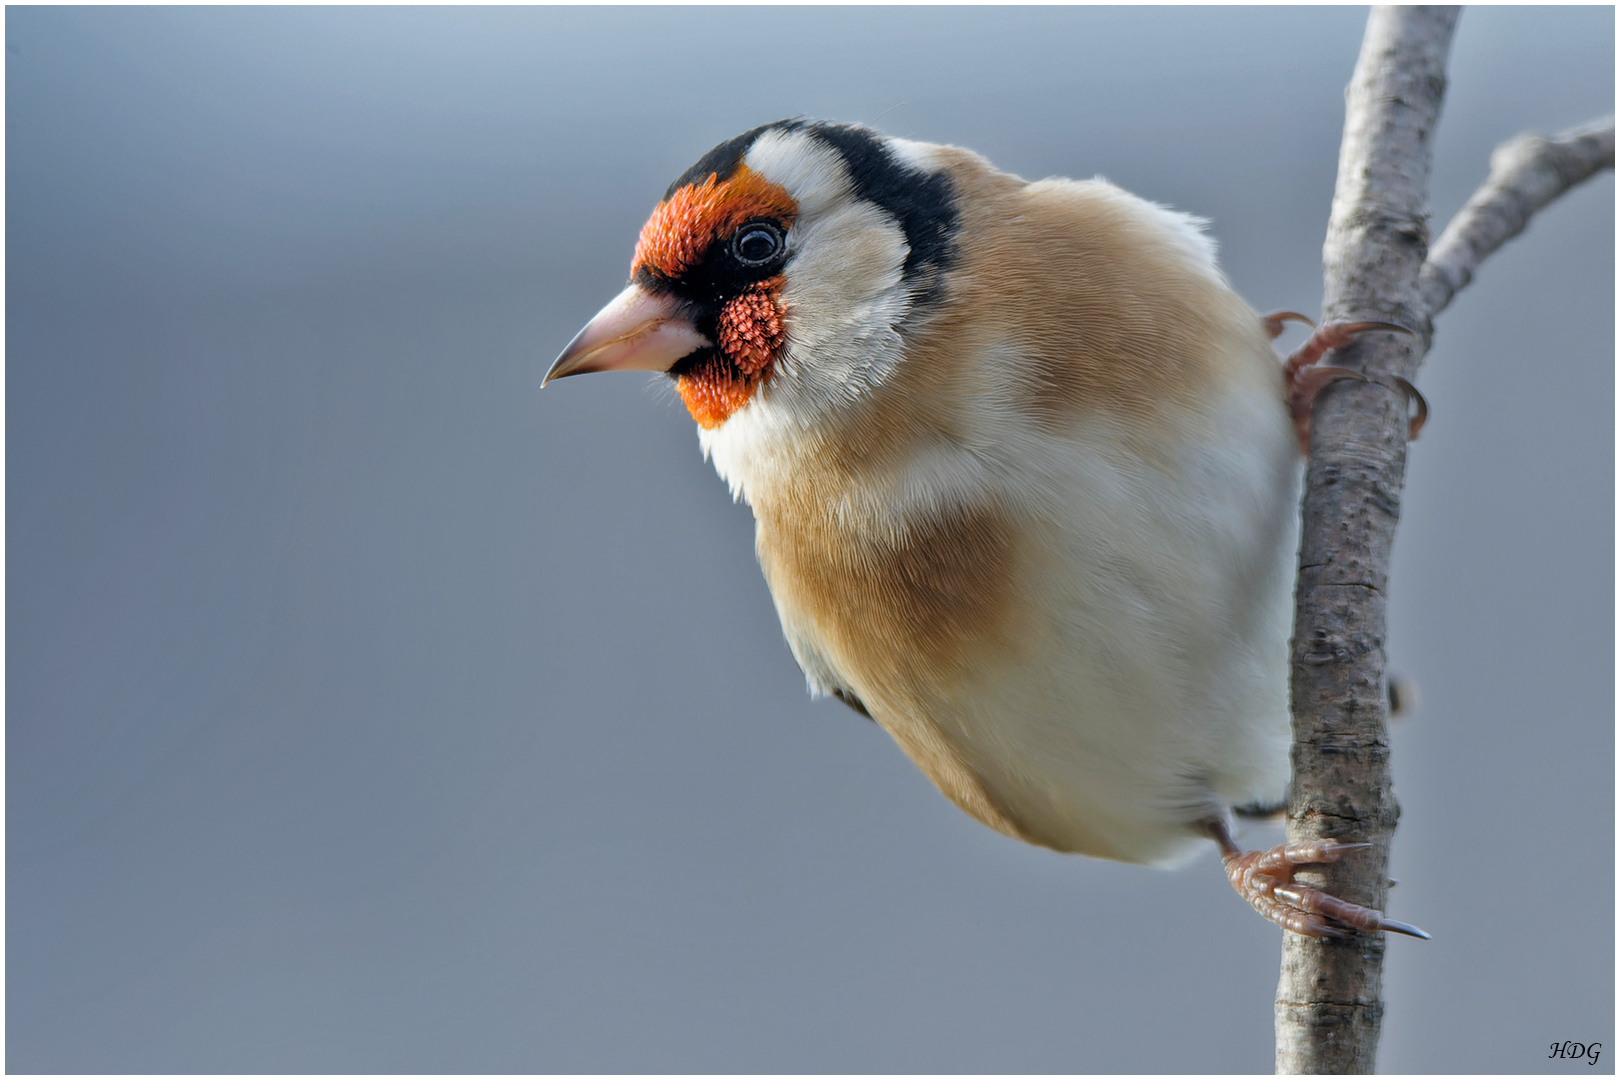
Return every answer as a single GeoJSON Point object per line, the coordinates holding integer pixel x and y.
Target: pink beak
{"type": "Point", "coordinates": [638, 331]}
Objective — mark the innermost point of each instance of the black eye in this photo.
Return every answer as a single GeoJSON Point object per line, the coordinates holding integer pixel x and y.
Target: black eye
{"type": "Point", "coordinates": [757, 244]}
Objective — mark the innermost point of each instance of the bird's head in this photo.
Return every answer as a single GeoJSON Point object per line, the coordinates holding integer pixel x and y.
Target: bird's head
{"type": "Point", "coordinates": [774, 280]}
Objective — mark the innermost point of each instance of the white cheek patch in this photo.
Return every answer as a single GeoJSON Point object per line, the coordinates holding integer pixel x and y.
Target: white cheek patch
{"type": "Point", "coordinates": [847, 260]}
{"type": "Point", "coordinates": [844, 268]}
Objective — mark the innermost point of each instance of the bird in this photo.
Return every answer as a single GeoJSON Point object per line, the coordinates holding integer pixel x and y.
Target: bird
{"type": "Point", "coordinates": [1024, 471]}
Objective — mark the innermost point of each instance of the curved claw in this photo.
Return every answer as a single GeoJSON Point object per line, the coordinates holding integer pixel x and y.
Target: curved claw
{"type": "Point", "coordinates": [1421, 417]}
{"type": "Point", "coordinates": [1402, 928]}
{"type": "Point", "coordinates": [1274, 322]}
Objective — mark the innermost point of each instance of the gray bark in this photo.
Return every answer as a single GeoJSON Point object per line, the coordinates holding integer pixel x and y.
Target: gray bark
{"type": "Point", "coordinates": [1329, 1006]}
{"type": "Point", "coordinates": [1527, 173]}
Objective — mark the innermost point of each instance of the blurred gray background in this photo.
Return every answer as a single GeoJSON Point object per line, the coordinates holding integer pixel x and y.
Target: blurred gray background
{"type": "Point", "coordinates": [370, 709]}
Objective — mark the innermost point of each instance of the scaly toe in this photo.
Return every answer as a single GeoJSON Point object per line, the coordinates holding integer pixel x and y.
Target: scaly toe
{"type": "Point", "coordinates": [1266, 880]}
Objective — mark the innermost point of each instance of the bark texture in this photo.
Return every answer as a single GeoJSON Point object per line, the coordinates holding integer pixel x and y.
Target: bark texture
{"type": "Point", "coordinates": [1377, 265]}
{"type": "Point", "coordinates": [1329, 1004]}
{"type": "Point", "coordinates": [1527, 173]}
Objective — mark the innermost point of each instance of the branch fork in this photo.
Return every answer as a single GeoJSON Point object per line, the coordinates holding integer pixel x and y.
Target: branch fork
{"type": "Point", "coordinates": [1377, 266]}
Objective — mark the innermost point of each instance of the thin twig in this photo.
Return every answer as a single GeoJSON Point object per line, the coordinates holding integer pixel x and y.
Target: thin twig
{"type": "Point", "coordinates": [1527, 173]}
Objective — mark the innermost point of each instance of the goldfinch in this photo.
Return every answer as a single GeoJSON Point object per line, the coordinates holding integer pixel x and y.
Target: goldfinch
{"type": "Point", "coordinates": [1024, 471]}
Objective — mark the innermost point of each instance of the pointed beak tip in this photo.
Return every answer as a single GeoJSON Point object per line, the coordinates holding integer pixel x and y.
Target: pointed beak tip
{"type": "Point", "coordinates": [636, 331]}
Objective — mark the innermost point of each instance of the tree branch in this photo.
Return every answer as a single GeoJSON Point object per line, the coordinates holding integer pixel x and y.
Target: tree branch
{"type": "Point", "coordinates": [1527, 173]}
{"type": "Point", "coordinates": [1329, 1005]}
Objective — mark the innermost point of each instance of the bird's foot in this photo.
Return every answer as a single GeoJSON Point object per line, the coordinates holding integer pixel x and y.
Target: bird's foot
{"type": "Point", "coordinates": [1305, 380]}
{"type": "Point", "coordinates": [1266, 880]}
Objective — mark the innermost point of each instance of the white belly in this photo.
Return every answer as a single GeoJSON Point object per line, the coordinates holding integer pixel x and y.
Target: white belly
{"type": "Point", "coordinates": [1147, 689]}
{"type": "Point", "coordinates": [1154, 692]}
